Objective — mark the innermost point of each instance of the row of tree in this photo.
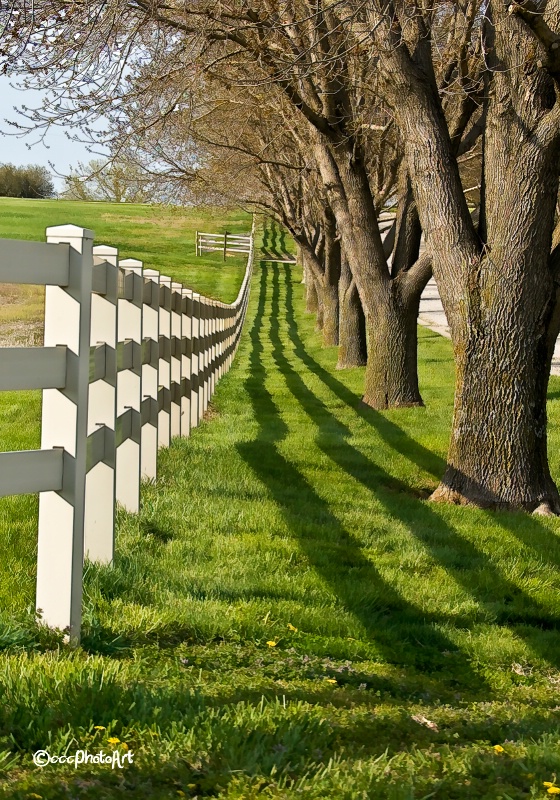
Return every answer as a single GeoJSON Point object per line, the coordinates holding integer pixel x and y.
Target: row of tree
{"type": "Point", "coordinates": [322, 112]}
{"type": "Point", "coordinates": [111, 181]}
{"type": "Point", "coordinates": [30, 181]}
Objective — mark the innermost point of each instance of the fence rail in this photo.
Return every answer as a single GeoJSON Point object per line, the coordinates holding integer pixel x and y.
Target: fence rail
{"type": "Point", "coordinates": [225, 243]}
{"type": "Point", "coordinates": [131, 359]}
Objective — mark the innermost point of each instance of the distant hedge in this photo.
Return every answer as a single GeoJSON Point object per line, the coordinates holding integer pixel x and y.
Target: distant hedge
{"type": "Point", "coordinates": [31, 181]}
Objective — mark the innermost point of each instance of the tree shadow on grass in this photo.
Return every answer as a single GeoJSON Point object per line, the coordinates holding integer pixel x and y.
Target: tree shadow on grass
{"type": "Point", "coordinates": [274, 241]}
{"type": "Point", "coordinates": [505, 602]}
{"type": "Point", "coordinates": [526, 528]}
{"type": "Point", "coordinates": [181, 719]}
{"type": "Point", "coordinates": [404, 633]}
{"type": "Point", "coordinates": [523, 526]}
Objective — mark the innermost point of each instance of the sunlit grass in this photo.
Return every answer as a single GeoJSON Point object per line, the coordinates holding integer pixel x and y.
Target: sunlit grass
{"type": "Point", "coordinates": [290, 617]}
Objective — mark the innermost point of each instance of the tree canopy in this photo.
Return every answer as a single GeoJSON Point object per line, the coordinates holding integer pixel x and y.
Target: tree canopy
{"type": "Point", "coordinates": [29, 181]}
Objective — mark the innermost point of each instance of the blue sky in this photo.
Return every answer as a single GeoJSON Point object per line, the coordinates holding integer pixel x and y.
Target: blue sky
{"type": "Point", "coordinates": [62, 152]}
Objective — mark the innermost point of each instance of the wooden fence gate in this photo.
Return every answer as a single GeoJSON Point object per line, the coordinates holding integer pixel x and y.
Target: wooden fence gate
{"type": "Point", "coordinates": [232, 244]}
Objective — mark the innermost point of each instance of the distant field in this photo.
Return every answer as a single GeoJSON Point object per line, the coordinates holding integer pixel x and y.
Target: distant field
{"type": "Point", "coordinates": [162, 237]}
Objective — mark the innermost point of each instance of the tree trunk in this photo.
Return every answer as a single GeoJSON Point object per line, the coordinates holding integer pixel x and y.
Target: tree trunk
{"type": "Point", "coordinates": [315, 283]}
{"type": "Point", "coordinates": [498, 450]}
{"type": "Point", "coordinates": [331, 315]}
{"type": "Point", "coordinates": [299, 259]}
{"type": "Point", "coordinates": [502, 333]}
{"type": "Point", "coordinates": [391, 374]}
{"type": "Point", "coordinates": [331, 278]}
{"type": "Point", "coordinates": [391, 379]}
{"type": "Point", "coordinates": [320, 308]}
{"type": "Point", "coordinates": [498, 293]}
{"type": "Point", "coordinates": [311, 300]}
{"type": "Point", "coordinates": [352, 351]}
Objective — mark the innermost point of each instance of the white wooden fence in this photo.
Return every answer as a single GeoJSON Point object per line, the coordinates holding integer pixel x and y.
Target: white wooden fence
{"type": "Point", "coordinates": [231, 244]}
{"type": "Point", "coordinates": [130, 360]}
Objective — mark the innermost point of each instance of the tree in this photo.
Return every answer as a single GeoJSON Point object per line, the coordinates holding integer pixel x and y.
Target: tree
{"type": "Point", "coordinates": [499, 279]}
{"type": "Point", "coordinates": [30, 181]}
{"type": "Point", "coordinates": [112, 181]}
{"type": "Point", "coordinates": [326, 83]}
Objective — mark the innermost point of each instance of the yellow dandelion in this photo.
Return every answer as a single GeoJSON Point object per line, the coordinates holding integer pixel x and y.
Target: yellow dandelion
{"type": "Point", "coordinates": [548, 783]}
{"type": "Point", "coordinates": [99, 728]}
{"type": "Point", "coordinates": [113, 740]}
{"type": "Point", "coordinates": [272, 644]}
{"type": "Point", "coordinates": [330, 680]}
{"type": "Point", "coordinates": [292, 627]}
{"type": "Point", "coordinates": [498, 748]}
{"type": "Point", "coordinates": [553, 790]}
{"type": "Point", "coordinates": [124, 745]}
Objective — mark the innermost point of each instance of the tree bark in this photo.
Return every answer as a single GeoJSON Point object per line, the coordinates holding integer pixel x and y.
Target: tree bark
{"type": "Point", "coordinates": [498, 450]}
{"type": "Point", "coordinates": [391, 372]}
{"type": "Point", "coordinates": [315, 295]}
{"type": "Point", "coordinates": [320, 309]}
{"type": "Point", "coordinates": [331, 277]}
{"type": "Point", "coordinates": [299, 259]}
{"type": "Point", "coordinates": [311, 299]}
{"type": "Point", "coordinates": [352, 351]}
{"type": "Point", "coordinates": [502, 336]}
{"type": "Point", "coordinates": [391, 379]}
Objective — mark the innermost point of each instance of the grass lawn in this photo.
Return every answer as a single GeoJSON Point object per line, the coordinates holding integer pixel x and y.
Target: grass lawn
{"type": "Point", "coordinates": [288, 616]}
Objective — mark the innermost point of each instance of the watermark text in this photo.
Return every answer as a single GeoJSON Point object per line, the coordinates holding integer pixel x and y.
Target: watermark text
{"type": "Point", "coordinates": [42, 758]}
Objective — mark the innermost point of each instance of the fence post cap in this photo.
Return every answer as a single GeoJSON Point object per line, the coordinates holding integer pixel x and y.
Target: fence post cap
{"type": "Point", "coordinates": [70, 231]}
{"type": "Point", "coordinates": [130, 262]}
{"type": "Point", "coordinates": [105, 250]}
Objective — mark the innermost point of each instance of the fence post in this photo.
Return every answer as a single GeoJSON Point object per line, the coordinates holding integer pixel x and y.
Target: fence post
{"type": "Point", "coordinates": [186, 361]}
{"type": "Point", "coordinates": [203, 357]}
{"type": "Point", "coordinates": [214, 345]}
{"type": "Point", "coordinates": [231, 337]}
{"type": "Point", "coordinates": [164, 392]}
{"type": "Point", "coordinates": [195, 361]}
{"type": "Point", "coordinates": [129, 378]}
{"type": "Point", "coordinates": [64, 424]}
{"type": "Point", "coordinates": [176, 356]}
{"type": "Point", "coordinates": [99, 531]}
{"type": "Point", "coordinates": [225, 245]}
{"type": "Point", "coordinates": [150, 373]}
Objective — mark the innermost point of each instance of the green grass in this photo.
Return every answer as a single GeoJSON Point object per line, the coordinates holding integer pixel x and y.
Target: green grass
{"type": "Point", "coordinates": [289, 617]}
{"type": "Point", "coordinates": [161, 236]}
